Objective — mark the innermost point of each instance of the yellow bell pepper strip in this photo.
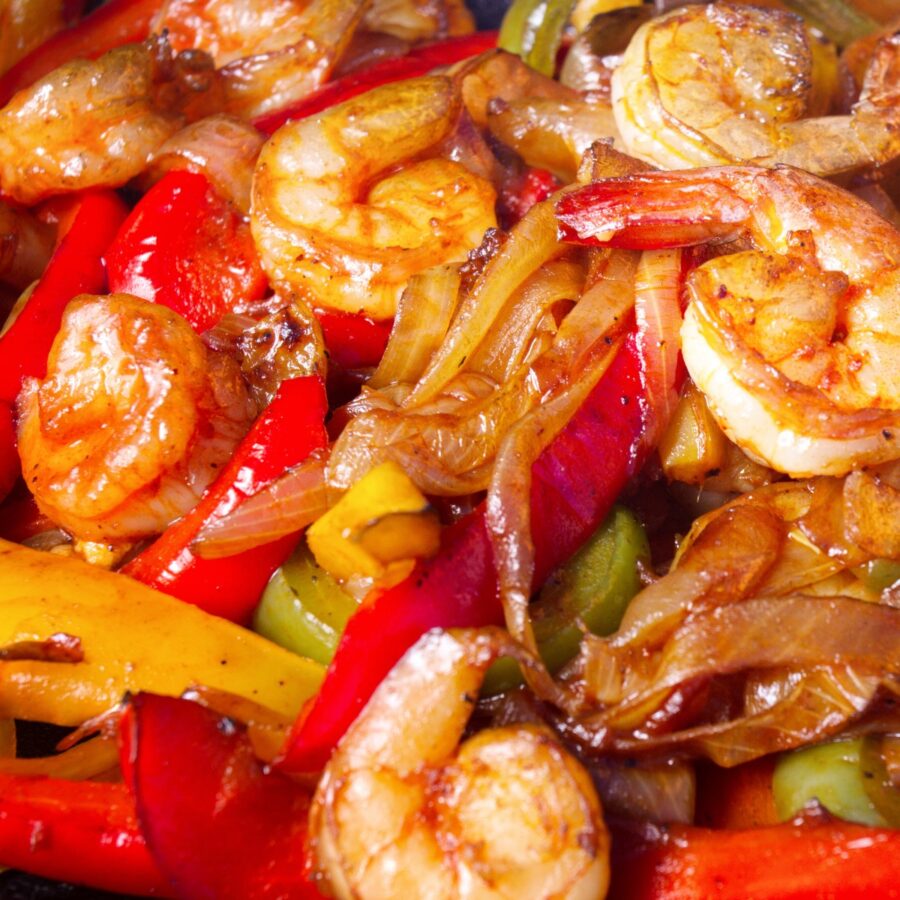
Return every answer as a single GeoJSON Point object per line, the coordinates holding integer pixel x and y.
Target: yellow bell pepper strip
{"type": "Point", "coordinates": [304, 609]}
{"type": "Point", "coordinates": [693, 447]}
{"type": "Point", "coordinates": [77, 831]}
{"type": "Point", "coordinates": [383, 519]}
{"type": "Point", "coordinates": [133, 638]}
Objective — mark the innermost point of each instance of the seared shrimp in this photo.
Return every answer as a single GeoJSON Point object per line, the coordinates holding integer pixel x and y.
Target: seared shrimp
{"type": "Point", "coordinates": [400, 812]}
{"type": "Point", "coordinates": [412, 20]}
{"type": "Point", "coordinates": [95, 122]}
{"type": "Point", "coordinates": [132, 421]}
{"type": "Point", "coordinates": [794, 342]}
{"type": "Point", "coordinates": [724, 83]}
{"type": "Point", "coordinates": [332, 226]}
{"type": "Point", "coordinates": [269, 53]}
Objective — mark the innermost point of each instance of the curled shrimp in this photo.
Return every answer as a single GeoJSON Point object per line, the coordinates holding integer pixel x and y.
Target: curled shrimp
{"type": "Point", "coordinates": [132, 421]}
{"type": "Point", "coordinates": [95, 122]}
{"type": "Point", "coordinates": [270, 54]}
{"type": "Point", "coordinates": [793, 342]}
{"type": "Point", "coordinates": [724, 83]}
{"type": "Point", "coordinates": [329, 221]}
{"type": "Point", "coordinates": [400, 811]}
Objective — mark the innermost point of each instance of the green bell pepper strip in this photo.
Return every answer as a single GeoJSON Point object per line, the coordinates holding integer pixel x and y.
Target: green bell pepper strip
{"type": "Point", "coordinates": [303, 608]}
{"type": "Point", "coordinates": [533, 30]}
{"type": "Point", "coordinates": [830, 773]}
{"type": "Point", "coordinates": [591, 591]}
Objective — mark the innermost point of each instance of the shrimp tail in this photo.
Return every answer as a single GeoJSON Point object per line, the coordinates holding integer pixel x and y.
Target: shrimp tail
{"type": "Point", "coordinates": [652, 211]}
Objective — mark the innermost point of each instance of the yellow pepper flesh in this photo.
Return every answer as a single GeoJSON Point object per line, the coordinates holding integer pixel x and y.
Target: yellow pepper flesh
{"type": "Point", "coordinates": [133, 638]}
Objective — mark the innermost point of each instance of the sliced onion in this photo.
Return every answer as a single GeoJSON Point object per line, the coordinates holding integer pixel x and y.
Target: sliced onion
{"type": "Point", "coordinates": [660, 792]}
{"type": "Point", "coordinates": [531, 243]}
{"type": "Point", "coordinates": [518, 325]}
{"type": "Point", "coordinates": [657, 307]}
{"type": "Point", "coordinates": [86, 760]}
{"type": "Point", "coordinates": [552, 134]}
{"type": "Point", "coordinates": [283, 507]}
{"type": "Point", "coordinates": [423, 316]}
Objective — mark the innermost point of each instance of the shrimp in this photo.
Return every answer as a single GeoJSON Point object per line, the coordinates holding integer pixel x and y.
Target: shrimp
{"type": "Point", "coordinates": [722, 84]}
{"type": "Point", "coordinates": [410, 20]}
{"type": "Point", "coordinates": [793, 342]}
{"type": "Point", "coordinates": [509, 814]}
{"type": "Point", "coordinates": [95, 122]}
{"type": "Point", "coordinates": [332, 226]}
{"type": "Point", "coordinates": [270, 54]}
{"type": "Point", "coordinates": [131, 422]}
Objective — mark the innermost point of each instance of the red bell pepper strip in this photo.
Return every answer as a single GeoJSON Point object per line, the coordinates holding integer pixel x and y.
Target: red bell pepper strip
{"type": "Point", "coordinates": [287, 431]}
{"type": "Point", "coordinates": [740, 797]}
{"type": "Point", "coordinates": [217, 823]}
{"type": "Point", "coordinates": [10, 468]}
{"type": "Point", "coordinates": [111, 25]}
{"type": "Point", "coordinates": [76, 267]}
{"type": "Point", "coordinates": [186, 247]}
{"type": "Point", "coordinates": [522, 192]}
{"type": "Point", "coordinates": [574, 483]}
{"type": "Point", "coordinates": [418, 61]}
{"type": "Point", "coordinates": [77, 831]}
{"type": "Point", "coordinates": [794, 861]}
{"type": "Point", "coordinates": [354, 341]}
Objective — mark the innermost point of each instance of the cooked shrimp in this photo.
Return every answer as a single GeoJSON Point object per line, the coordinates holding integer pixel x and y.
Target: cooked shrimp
{"type": "Point", "coordinates": [794, 342]}
{"type": "Point", "coordinates": [412, 20]}
{"type": "Point", "coordinates": [270, 53]}
{"type": "Point", "coordinates": [24, 24]}
{"type": "Point", "coordinates": [331, 225]}
{"type": "Point", "coordinates": [399, 811]}
{"type": "Point", "coordinates": [25, 246]}
{"type": "Point", "coordinates": [131, 422]}
{"type": "Point", "coordinates": [95, 122]}
{"type": "Point", "coordinates": [725, 83]}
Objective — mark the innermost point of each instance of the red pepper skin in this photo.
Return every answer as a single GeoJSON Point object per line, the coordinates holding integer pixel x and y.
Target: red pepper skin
{"type": "Point", "coordinates": [287, 431]}
{"type": "Point", "coordinates": [217, 823]}
{"type": "Point", "coordinates": [82, 832]}
{"type": "Point", "coordinates": [111, 25]}
{"type": "Point", "coordinates": [574, 483]}
{"type": "Point", "coordinates": [76, 267]}
{"type": "Point", "coordinates": [418, 61]}
{"type": "Point", "coordinates": [186, 247]}
{"type": "Point", "coordinates": [10, 468]}
{"type": "Point", "coordinates": [522, 192]}
{"type": "Point", "coordinates": [354, 341]}
{"type": "Point", "coordinates": [794, 861]}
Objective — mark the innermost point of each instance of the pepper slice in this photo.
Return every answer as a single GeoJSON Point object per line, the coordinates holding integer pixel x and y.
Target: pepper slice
{"type": "Point", "coordinates": [574, 484]}
{"type": "Point", "coordinates": [111, 25]}
{"type": "Point", "coordinates": [10, 467]}
{"type": "Point", "coordinates": [194, 774]}
{"type": "Point", "coordinates": [76, 267]}
{"type": "Point", "coordinates": [800, 860]}
{"type": "Point", "coordinates": [289, 429]}
{"type": "Point", "coordinates": [418, 61]}
{"type": "Point", "coordinates": [592, 590]}
{"type": "Point", "coordinates": [77, 831]}
{"type": "Point", "coordinates": [186, 247]}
